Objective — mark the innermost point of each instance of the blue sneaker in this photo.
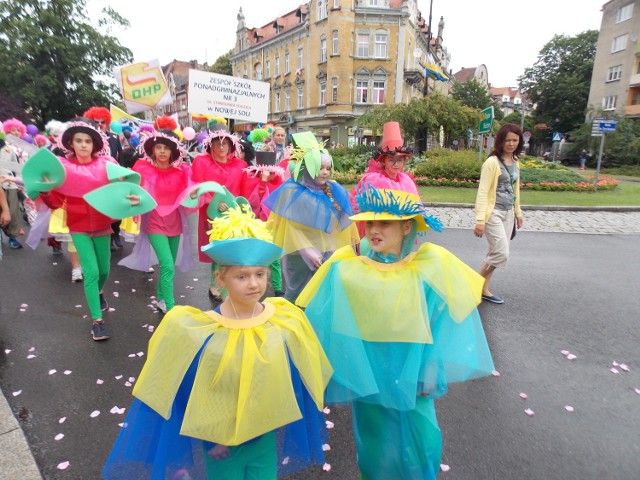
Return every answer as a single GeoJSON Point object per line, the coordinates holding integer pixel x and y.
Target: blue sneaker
{"type": "Point", "coordinates": [13, 243]}
{"type": "Point", "coordinates": [493, 298]}
{"type": "Point", "coordinates": [98, 331]}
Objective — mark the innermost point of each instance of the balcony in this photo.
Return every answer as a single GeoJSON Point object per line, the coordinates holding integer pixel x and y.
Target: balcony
{"type": "Point", "coordinates": [634, 81]}
{"type": "Point", "coordinates": [632, 111]}
{"type": "Point", "coordinates": [414, 76]}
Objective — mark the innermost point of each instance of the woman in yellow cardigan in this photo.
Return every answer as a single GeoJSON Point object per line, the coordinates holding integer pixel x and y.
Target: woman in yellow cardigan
{"type": "Point", "coordinates": [498, 203]}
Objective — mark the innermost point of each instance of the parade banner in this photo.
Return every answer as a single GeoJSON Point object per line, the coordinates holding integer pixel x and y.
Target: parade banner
{"type": "Point", "coordinates": [143, 86]}
{"type": "Point", "coordinates": [124, 118]}
{"type": "Point", "coordinates": [228, 97]}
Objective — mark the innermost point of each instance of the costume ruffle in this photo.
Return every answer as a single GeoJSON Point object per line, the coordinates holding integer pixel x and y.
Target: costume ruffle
{"type": "Point", "coordinates": [312, 208]}
{"type": "Point", "coordinates": [427, 329]}
{"type": "Point", "coordinates": [242, 373]}
{"type": "Point", "coordinates": [82, 178]}
{"type": "Point", "coordinates": [150, 447]}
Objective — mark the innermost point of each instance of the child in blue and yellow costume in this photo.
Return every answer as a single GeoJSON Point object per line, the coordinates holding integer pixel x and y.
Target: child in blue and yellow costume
{"type": "Point", "coordinates": [234, 393]}
{"type": "Point", "coordinates": [398, 326]}
{"type": "Point", "coordinates": [309, 214]}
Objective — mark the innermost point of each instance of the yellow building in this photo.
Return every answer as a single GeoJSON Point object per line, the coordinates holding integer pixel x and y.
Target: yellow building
{"type": "Point", "coordinates": [328, 61]}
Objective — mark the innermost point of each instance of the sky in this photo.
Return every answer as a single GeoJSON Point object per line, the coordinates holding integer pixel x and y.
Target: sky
{"type": "Point", "coordinates": [505, 35]}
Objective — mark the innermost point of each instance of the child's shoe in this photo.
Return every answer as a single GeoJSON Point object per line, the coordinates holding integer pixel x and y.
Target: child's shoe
{"type": "Point", "coordinates": [99, 331]}
{"type": "Point", "coordinates": [76, 276]}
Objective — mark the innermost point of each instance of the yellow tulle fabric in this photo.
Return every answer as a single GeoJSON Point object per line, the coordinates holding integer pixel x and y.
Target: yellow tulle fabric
{"type": "Point", "coordinates": [242, 387]}
{"type": "Point", "coordinates": [292, 236]}
{"type": "Point", "coordinates": [131, 227]}
{"type": "Point", "coordinates": [58, 222]}
{"type": "Point", "coordinates": [401, 284]}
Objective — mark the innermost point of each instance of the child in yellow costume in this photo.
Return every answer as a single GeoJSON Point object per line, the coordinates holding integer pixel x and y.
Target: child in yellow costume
{"type": "Point", "coordinates": [234, 393]}
{"type": "Point", "coordinates": [398, 325]}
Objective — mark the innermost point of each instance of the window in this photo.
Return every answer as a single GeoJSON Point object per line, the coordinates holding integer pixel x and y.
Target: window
{"type": "Point", "coordinates": [624, 13]}
{"type": "Point", "coordinates": [615, 73]}
{"type": "Point", "coordinates": [276, 100]}
{"type": "Point", "coordinates": [276, 66]}
{"type": "Point", "coordinates": [245, 71]}
{"type": "Point", "coordinates": [609, 103]}
{"type": "Point", "coordinates": [334, 43]}
{"type": "Point", "coordinates": [362, 90]}
{"type": "Point", "coordinates": [287, 101]}
{"type": "Point", "coordinates": [505, 98]}
{"type": "Point", "coordinates": [323, 49]}
{"type": "Point", "coordinates": [336, 3]}
{"type": "Point", "coordinates": [381, 45]}
{"type": "Point", "coordinates": [323, 93]}
{"type": "Point", "coordinates": [635, 100]}
{"type": "Point", "coordinates": [363, 45]}
{"type": "Point", "coordinates": [373, 3]}
{"type": "Point", "coordinates": [267, 68]}
{"type": "Point", "coordinates": [334, 89]}
{"type": "Point", "coordinates": [378, 92]}
{"type": "Point", "coordinates": [287, 66]}
{"type": "Point", "coordinates": [258, 69]}
{"type": "Point", "coordinates": [300, 57]}
{"type": "Point", "coordinates": [322, 9]}
{"type": "Point", "coordinates": [619, 43]}
{"type": "Point", "coordinates": [300, 99]}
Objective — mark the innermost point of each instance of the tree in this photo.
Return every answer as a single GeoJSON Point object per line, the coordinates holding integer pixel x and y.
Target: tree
{"type": "Point", "coordinates": [471, 93]}
{"type": "Point", "coordinates": [53, 58]}
{"type": "Point", "coordinates": [559, 81]}
{"type": "Point", "coordinates": [424, 115]}
{"type": "Point", "coordinates": [222, 65]}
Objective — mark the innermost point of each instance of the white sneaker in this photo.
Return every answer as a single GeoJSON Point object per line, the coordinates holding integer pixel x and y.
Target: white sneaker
{"type": "Point", "coordinates": [76, 275]}
{"type": "Point", "coordinates": [162, 306]}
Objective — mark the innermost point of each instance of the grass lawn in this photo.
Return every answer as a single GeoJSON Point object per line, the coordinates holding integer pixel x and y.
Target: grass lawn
{"type": "Point", "coordinates": [626, 194]}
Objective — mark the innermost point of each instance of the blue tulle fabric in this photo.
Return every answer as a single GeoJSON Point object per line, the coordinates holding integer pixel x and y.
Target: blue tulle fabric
{"type": "Point", "coordinates": [390, 374]}
{"type": "Point", "coordinates": [150, 447]}
{"type": "Point", "coordinates": [312, 208]}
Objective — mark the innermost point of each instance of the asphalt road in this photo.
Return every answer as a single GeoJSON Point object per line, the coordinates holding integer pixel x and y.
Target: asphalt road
{"type": "Point", "coordinates": [563, 292]}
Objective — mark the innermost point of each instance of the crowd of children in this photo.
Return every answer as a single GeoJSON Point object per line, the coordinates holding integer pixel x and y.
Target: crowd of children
{"type": "Point", "coordinates": [237, 391]}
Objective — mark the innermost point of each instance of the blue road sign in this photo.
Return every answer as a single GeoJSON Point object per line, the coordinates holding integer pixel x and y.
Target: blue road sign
{"type": "Point", "coordinates": [557, 136]}
{"type": "Point", "coordinates": [609, 126]}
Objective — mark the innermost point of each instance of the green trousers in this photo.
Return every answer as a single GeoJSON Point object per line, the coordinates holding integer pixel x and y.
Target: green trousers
{"type": "Point", "coordinates": [254, 460]}
{"type": "Point", "coordinates": [94, 254]}
{"type": "Point", "coordinates": [166, 249]}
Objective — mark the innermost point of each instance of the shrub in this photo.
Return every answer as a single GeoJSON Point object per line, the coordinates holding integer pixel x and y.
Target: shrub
{"type": "Point", "coordinates": [538, 175]}
{"type": "Point", "coordinates": [354, 158]}
{"type": "Point", "coordinates": [443, 163]}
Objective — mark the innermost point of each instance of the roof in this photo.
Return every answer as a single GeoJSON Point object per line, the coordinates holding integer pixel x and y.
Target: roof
{"type": "Point", "coordinates": [286, 22]}
{"type": "Point", "coordinates": [504, 91]}
{"type": "Point", "coordinates": [465, 74]}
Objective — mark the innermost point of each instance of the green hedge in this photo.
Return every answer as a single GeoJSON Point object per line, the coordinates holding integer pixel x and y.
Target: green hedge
{"type": "Point", "coordinates": [450, 168]}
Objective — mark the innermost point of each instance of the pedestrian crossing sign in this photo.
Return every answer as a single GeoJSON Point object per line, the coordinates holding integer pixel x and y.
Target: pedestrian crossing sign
{"type": "Point", "coordinates": [557, 136]}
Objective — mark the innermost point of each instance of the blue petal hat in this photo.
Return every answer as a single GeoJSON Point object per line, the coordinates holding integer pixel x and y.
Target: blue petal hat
{"type": "Point", "coordinates": [238, 238]}
{"type": "Point", "coordinates": [386, 204]}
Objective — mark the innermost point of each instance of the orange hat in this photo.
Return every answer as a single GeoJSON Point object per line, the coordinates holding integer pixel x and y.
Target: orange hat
{"type": "Point", "coordinates": [392, 143]}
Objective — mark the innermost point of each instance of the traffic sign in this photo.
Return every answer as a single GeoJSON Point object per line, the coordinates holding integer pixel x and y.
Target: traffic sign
{"type": "Point", "coordinates": [486, 121]}
{"type": "Point", "coordinates": [470, 133]}
{"type": "Point", "coordinates": [557, 136]}
{"type": "Point", "coordinates": [608, 126]}
{"type": "Point", "coordinates": [526, 135]}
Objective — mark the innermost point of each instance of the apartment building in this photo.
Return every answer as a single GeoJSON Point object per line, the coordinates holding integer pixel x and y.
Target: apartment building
{"type": "Point", "coordinates": [328, 61]}
{"type": "Point", "coordinates": [615, 83]}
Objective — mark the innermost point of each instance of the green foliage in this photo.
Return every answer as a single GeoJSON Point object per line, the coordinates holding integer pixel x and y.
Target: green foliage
{"type": "Point", "coordinates": [625, 170]}
{"type": "Point", "coordinates": [536, 175]}
{"type": "Point", "coordinates": [444, 163]}
{"type": "Point", "coordinates": [222, 65]}
{"type": "Point", "coordinates": [560, 79]}
{"type": "Point", "coordinates": [352, 158]}
{"type": "Point", "coordinates": [52, 56]}
{"type": "Point", "coordinates": [471, 93]}
{"type": "Point", "coordinates": [422, 115]}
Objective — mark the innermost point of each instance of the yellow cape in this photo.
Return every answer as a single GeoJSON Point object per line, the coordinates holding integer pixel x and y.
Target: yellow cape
{"type": "Point", "coordinates": [388, 301]}
{"type": "Point", "coordinates": [242, 387]}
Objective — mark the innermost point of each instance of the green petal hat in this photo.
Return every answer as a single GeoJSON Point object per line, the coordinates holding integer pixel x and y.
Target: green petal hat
{"type": "Point", "coordinates": [42, 164]}
{"type": "Point", "coordinates": [118, 173]}
{"type": "Point", "coordinates": [225, 197]}
{"type": "Point", "coordinates": [307, 154]}
{"type": "Point", "coordinates": [204, 187]}
{"type": "Point", "coordinates": [110, 200]}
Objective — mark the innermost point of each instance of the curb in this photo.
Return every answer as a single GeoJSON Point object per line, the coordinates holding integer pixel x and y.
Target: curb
{"type": "Point", "coordinates": [548, 208]}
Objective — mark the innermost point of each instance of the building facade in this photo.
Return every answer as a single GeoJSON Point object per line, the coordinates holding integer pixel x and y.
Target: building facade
{"type": "Point", "coordinates": [615, 82]}
{"type": "Point", "coordinates": [328, 61]}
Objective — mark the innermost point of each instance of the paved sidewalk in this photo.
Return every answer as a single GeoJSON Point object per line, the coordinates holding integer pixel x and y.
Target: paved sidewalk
{"type": "Point", "coordinates": [17, 462]}
{"type": "Point", "coordinates": [620, 220]}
